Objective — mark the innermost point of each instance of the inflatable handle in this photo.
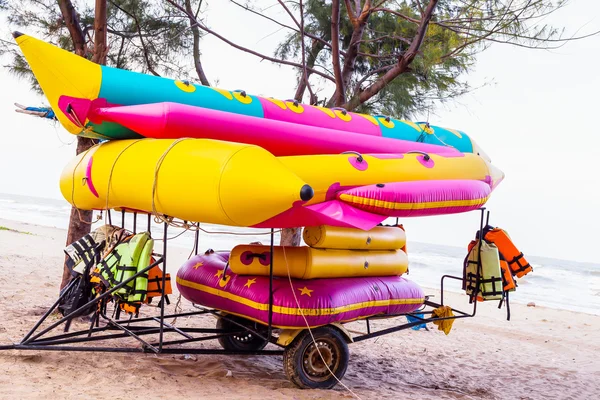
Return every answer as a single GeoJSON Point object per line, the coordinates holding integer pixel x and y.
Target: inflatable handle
{"type": "Point", "coordinates": [426, 156]}
{"type": "Point", "coordinates": [264, 258]}
{"type": "Point", "coordinates": [342, 109]}
{"type": "Point", "coordinates": [242, 92]}
{"type": "Point", "coordinates": [293, 101]}
{"type": "Point", "coordinates": [359, 157]}
{"type": "Point", "coordinates": [386, 117]}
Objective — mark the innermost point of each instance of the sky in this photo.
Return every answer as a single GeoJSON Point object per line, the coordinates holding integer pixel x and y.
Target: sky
{"type": "Point", "coordinates": [535, 115]}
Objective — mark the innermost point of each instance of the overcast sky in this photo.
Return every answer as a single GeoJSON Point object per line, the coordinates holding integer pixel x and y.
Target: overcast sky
{"type": "Point", "coordinates": [536, 119]}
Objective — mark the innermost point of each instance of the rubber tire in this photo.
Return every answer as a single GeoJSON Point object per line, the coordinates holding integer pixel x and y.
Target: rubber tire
{"type": "Point", "coordinates": [230, 342]}
{"type": "Point", "coordinates": [293, 358]}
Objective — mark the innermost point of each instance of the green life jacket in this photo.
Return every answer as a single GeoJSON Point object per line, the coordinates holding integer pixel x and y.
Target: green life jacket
{"type": "Point", "coordinates": [490, 279]}
{"type": "Point", "coordinates": [140, 284]}
{"type": "Point", "coordinates": [124, 262]}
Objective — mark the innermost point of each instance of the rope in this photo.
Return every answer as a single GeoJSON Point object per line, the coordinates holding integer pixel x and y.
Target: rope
{"type": "Point", "coordinates": [112, 168]}
{"type": "Point", "coordinates": [73, 191]}
{"type": "Point", "coordinates": [308, 326]}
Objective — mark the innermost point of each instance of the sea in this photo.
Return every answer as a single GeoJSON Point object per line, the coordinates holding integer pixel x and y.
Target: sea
{"type": "Point", "coordinates": [554, 283]}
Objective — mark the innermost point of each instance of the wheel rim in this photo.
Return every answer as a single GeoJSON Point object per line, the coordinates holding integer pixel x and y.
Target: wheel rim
{"type": "Point", "coordinates": [317, 366]}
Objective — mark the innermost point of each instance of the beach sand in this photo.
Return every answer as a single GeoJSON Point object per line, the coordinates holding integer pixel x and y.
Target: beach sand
{"type": "Point", "coordinates": [540, 354]}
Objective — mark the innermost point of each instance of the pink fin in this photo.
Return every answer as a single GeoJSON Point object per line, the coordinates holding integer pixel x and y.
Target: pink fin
{"type": "Point", "coordinates": [88, 178]}
{"type": "Point", "coordinates": [334, 213]}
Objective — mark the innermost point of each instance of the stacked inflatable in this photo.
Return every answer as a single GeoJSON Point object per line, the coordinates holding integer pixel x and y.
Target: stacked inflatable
{"type": "Point", "coordinates": [201, 154]}
{"type": "Point", "coordinates": [343, 275]}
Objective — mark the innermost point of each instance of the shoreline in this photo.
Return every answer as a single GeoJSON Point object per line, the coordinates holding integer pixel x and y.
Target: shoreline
{"type": "Point", "coordinates": [541, 353]}
{"type": "Point", "coordinates": [22, 227]}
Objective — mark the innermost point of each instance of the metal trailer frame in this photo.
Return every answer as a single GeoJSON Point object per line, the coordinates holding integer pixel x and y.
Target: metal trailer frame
{"type": "Point", "coordinates": [137, 328]}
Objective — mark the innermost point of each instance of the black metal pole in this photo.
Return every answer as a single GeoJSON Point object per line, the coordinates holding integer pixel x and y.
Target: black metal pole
{"type": "Point", "coordinates": [134, 223]}
{"type": "Point", "coordinates": [109, 216]}
{"type": "Point", "coordinates": [270, 329]}
{"type": "Point", "coordinates": [149, 223]}
{"type": "Point", "coordinates": [123, 219]}
{"type": "Point", "coordinates": [162, 289]}
{"type": "Point", "coordinates": [94, 301]}
{"type": "Point", "coordinates": [196, 239]}
{"type": "Point", "coordinates": [43, 318]}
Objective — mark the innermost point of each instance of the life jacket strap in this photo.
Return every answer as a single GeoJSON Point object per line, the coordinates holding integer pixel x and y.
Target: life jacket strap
{"type": "Point", "coordinates": [517, 260]}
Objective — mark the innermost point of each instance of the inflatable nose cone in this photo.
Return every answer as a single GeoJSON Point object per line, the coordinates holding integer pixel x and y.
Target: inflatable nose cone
{"type": "Point", "coordinates": [59, 73]}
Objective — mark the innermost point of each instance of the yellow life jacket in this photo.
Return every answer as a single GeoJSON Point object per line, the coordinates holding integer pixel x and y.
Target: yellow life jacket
{"type": "Point", "coordinates": [482, 276]}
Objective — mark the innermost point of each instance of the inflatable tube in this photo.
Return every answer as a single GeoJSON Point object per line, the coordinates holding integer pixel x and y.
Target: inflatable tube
{"type": "Point", "coordinates": [63, 75]}
{"type": "Point", "coordinates": [174, 120]}
{"type": "Point", "coordinates": [421, 198]}
{"type": "Point", "coordinates": [308, 263]}
{"type": "Point", "coordinates": [236, 184]}
{"type": "Point", "coordinates": [332, 237]}
{"type": "Point", "coordinates": [191, 179]}
{"type": "Point", "coordinates": [322, 301]}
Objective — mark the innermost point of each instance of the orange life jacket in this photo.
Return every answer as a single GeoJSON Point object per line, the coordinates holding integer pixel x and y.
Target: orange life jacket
{"type": "Point", "coordinates": [155, 276]}
{"type": "Point", "coordinates": [515, 259]}
{"type": "Point", "coordinates": [507, 277]}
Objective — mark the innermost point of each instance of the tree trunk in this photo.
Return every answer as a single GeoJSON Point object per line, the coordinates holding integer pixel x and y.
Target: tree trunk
{"type": "Point", "coordinates": [81, 220]}
{"type": "Point", "coordinates": [290, 237]}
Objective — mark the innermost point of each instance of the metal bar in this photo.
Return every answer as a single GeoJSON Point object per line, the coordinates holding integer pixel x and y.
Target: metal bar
{"type": "Point", "coordinates": [368, 326]}
{"type": "Point", "coordinates": [182, 333]}
{"type": "Point", "coordinates": [162, 288]}
{"type": "Point", "coordinates": [223, 352]}
{"type": "Point", "coordinates": [133, 335]}
{"type": "Point", "coordinates": [149, 223]}
{"type": "Point", "coordinates": [169, 316]}
{"type": "Point", "coordinates": [134, 223]}
{"type": "Point", "coordinates": [193, 339]}
{"type": "Point", "coordinates": [270, 339]}
{"type": "Point", "coordinates": [73, 348]}
{"type": "Point", "coordinates": [90, 339]}
{"type": "Point", "coordinates": [47, 313]}
{"type": "Point", "coordinates": [94, 301]}
{"type": "Point", "coordinates": [123, 219]}
{"type": "Point", "coordinates": [109, 216]}
{"type": "Point", "coordinates": [197, 239]}
{"type": "Point", "coordinates": [270, 327]}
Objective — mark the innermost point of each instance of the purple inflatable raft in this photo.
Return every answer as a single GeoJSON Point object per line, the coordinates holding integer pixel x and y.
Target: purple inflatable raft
{"type": "Point", "coordinates": [323, 301]}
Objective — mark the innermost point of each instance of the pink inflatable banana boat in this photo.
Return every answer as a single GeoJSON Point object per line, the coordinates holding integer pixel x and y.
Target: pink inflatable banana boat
{"type": "Point", "coordinates": [202, 280]}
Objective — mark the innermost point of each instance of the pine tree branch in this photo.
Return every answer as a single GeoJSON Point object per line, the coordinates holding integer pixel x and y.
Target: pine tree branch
{"type": "Point", "coordinates": [244, 49]}
{"type": "Point", "coordinates": [403, 63]}
{"type": "Point", "coordinates": [196, 44]}
{"type": "Point", "coordinates": [143, 44]}
{"type": "Point", "coordinates": [71, 20]}
{"type": "Point", "coordinates": [307, 34]}
{"type": "Point", "coordinates": [100, 47]}
{"type": "Point", "coordinates": [335, 52]}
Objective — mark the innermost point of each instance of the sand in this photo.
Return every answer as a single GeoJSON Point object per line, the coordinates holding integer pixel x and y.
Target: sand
{"type": "Point", "coordinates": [540, 354]}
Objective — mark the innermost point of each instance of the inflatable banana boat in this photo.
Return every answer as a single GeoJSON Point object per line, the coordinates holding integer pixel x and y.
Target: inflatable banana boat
{"type": "Point", "coordinates": [204, 280]}
{"type": "Point", "coordinates": [238, 184]}
{"type": "Point", "coordinates": [91, 100]}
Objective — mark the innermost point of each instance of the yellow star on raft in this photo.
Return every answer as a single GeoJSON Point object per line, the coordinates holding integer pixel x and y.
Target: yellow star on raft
{"type": "Point", "coordinates": [305, 291]}
{"type": "Point", "coordinates": [250, 282]}
{"type": "Point", "coordinates": [198, 265]}
{"type": "Point", "coordinates": [219, 273]}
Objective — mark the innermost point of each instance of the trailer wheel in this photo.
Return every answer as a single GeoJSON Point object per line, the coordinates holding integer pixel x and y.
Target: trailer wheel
{"type": "Point", "coordinates": [307, 365]}
{"type": "Point", "coordinates": [244, 341]}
